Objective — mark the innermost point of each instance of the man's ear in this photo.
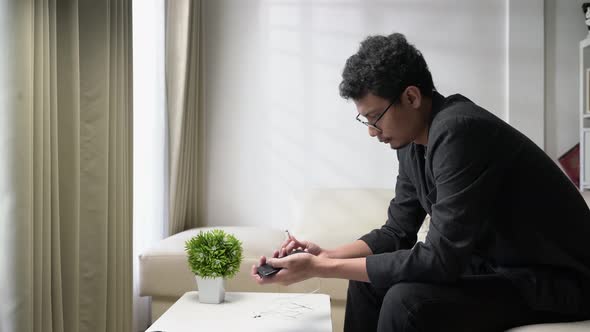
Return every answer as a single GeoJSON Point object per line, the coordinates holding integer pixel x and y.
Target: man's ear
{"type": "Point", "coordinates": [412, 96]}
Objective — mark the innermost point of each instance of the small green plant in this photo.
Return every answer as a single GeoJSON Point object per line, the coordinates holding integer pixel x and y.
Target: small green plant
{"type": "Point", "coordinates": [214, 254]}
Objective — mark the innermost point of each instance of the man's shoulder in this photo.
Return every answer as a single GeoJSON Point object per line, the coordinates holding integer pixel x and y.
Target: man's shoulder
{"type": "Point", "coordinates": [459, 115]}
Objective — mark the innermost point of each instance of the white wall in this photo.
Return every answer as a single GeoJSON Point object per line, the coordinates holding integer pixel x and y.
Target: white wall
{"type": "Point", "coordinates": [525, 86]}
{"type": "Point", "coordinates": [274, 122]}
{"type": "Point", "coordinates": [564, 28]}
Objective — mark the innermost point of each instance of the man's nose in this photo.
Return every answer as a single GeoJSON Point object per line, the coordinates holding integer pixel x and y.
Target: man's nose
{"type": "Point", "coordinates": [373, 132]}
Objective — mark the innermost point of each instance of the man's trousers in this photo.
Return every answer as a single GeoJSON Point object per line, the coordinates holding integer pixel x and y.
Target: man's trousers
{"type": "Point", "coordinates": [475, 305]}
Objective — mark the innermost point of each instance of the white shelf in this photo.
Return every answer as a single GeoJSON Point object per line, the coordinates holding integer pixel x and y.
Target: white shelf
{"type": "Point", "coordinates": [584, 79]}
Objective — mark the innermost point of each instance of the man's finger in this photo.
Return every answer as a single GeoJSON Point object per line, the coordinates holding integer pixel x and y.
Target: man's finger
{"type": "Point", "coordinates": [291, 246]}
{"type": "Point", "coordinates": [284, 244]}
{"type": "Point", "coordinates": [296, 241]}
{"type": "Point", "coordinates": [255, 275]}
{"type": "Point", "coordinates": [277, 262]}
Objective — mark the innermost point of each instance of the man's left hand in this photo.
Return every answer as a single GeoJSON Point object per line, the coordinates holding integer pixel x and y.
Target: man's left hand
{"type": "Point", "coordinates": [295, 268]}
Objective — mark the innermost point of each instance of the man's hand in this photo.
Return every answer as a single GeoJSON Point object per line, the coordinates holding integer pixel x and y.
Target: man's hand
{"type": "Point", "coordinates": [295, 268]}
{"type": "Point", "coordinates": [346, 262]}
{"type": "Point", "coordinates": [292, 243]}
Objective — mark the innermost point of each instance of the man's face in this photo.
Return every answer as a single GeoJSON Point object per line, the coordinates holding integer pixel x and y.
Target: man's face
{"type": "Point", "coordinates": [400, 125]}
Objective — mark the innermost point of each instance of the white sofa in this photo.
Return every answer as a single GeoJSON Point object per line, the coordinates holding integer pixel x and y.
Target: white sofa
{"type": "Point", "coordinates": [329, 217]}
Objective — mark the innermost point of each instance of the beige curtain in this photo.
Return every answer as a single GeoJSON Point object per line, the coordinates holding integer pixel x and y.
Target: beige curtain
{"type": "Point", "coordinates": [184, 105]}
{"type": "Point", "coordinates": [65, 167]}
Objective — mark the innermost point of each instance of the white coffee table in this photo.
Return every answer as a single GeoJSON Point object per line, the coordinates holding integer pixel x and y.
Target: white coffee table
{"type": "Point", "coordinates": [248, 312]}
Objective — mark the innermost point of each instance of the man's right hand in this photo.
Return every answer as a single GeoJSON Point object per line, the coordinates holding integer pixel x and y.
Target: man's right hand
{"type": "Point", "coordinates": [292, 243]}
{"type": "Point", "coordinates": [355, 249]}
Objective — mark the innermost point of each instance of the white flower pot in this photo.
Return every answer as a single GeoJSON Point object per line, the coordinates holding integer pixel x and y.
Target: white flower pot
{"type": "Point", "coordinates": [211, 290]}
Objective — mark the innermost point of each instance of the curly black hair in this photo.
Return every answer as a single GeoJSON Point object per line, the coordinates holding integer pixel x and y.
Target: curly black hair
{"type": "Point", "coordinates": [385, 66]}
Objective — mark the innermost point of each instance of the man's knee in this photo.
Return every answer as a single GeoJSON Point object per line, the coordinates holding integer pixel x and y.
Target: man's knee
{"type": "Point", "coordinates": [400, 297]}
{"type": "Point", "coordinates": [400, 306]}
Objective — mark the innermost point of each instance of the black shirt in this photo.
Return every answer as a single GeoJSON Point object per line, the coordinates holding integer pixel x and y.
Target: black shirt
{"type": "Point", "coordinates": [499, 207]}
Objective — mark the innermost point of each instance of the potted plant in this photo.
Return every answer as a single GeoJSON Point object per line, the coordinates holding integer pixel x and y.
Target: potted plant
{"type": "Point", "coordinates": [213, 256]}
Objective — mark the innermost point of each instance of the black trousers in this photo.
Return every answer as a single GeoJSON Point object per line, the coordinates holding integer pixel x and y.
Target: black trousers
{"type": "Point", "coordinates": [478, 304]}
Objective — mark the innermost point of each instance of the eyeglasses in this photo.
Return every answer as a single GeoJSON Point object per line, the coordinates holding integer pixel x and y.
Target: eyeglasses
{"type": "Point", "coordinates": [373, 124]}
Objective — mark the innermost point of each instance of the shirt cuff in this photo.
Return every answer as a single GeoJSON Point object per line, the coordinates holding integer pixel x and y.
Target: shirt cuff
{"type": "Point", "coordinates": [369, 239]}
{"type": "Point", "coordinates": [379, 270]}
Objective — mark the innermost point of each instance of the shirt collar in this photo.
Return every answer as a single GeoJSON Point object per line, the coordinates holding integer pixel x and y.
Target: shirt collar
{"type": "Point", "coordinates": [438, 101]}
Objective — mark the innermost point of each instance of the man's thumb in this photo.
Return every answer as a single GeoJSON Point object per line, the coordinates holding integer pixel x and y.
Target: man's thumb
{"type": "Point", "coordinates": [275, 262]}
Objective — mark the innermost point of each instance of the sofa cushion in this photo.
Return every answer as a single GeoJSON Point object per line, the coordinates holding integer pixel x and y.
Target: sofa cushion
{"type": "Point", "coordinates": [583, 326]}
{"type": "Point", "coordinates": [334, 217]}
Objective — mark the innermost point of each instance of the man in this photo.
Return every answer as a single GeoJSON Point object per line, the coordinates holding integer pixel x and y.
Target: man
{"type": "Point", "coordinates": [507, 238]}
